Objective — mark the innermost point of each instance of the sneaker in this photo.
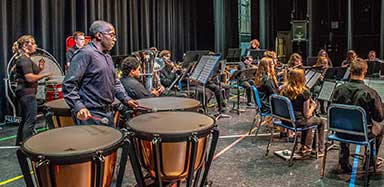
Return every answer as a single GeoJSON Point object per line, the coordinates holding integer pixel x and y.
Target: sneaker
{"type": "Point", "coordinates": [250, 104]}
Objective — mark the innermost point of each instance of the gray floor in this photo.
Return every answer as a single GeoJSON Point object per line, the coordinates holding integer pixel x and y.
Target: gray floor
{"type": "Point", "coordinates": [242, 165]}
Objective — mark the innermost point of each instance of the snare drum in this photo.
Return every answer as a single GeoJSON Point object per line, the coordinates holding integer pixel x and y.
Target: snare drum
{"type": "Point", "coordinates": [170, 103]}
{"type": "Point", "coordinates": [171, 146]}
{"type": "Point", "coordinates": [53, 88]}
{"type": "Point", "coordinates": [71, 156]}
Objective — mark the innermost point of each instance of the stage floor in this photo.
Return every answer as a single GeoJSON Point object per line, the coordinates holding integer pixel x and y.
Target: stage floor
{"type": "Point", "coordinates": [242, 165]}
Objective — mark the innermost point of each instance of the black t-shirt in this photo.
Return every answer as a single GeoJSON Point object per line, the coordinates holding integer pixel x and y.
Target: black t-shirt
{"type": "Point", "coordinates": [25, 65]}
{"type": "Point", "coordinates": [266, 89]}
{"type": "Point", "coordinates": [298, 104]}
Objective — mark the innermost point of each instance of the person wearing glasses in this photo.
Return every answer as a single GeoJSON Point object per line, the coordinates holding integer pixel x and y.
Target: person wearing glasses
{"type": "Point", "coordinates": [27, 74]}
{"type": "Point", "coordinates": [91, 84]}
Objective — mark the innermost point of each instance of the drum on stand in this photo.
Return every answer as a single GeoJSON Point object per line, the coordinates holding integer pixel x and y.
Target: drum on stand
{"type": "Point", "coordinates": [51, 66]}
{"type": "Point", "coordinates": [71, 156]}
{"type": "Point", "coordinates": [173, 146]}
{"type": "Point", "coordinates": [169, 104]}
{"type": "Point", "coordinates": [58, 113]}
{"type": "Point", "coordinates": [54, 88]}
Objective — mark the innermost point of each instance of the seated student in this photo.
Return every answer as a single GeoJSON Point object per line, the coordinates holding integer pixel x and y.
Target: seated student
{"type": "Point", "coordinates": [351, 56]}
{"type": "Point", "coordinates": [322, 64]}
{"type": "Point", "coordinates": [169, 73]}
{"type": "Point", "coordinates": [304, 108]}
{"type": "Point", "coordinates": [372, 57]}
{"type": "Point", "coordinates": [244, 82]}
{"type": "Point", "coordinates": [130, 67]}
{"type": "Point", "coordinates": [266, 82]}
{"type": "Point", "coordinates": [323, 53]}
{"type": "Point", "coordinates": [355, 92]}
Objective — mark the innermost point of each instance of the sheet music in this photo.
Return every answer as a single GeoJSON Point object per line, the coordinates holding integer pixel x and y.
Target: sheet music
{"type": "Point", "coordinates": [346, 75]}
{"type": "Point", "coordinates": [308, 75]}
{"type": "Point", "coordinates": [313, 80]}
{"type": "Point", "coordinates": [326, 91]}
{"type": "Point", "coordinates": [204, 68]}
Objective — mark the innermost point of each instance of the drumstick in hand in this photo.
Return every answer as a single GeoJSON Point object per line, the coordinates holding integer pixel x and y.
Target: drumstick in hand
{"type": "Point", "coordinates": [139, 107]}
{"type": "Point", "coordinates": [102, 120]}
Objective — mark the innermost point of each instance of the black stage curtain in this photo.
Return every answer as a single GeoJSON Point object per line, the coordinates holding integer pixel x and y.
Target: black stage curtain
{"type": "Point", "coordinates": [177, 25]}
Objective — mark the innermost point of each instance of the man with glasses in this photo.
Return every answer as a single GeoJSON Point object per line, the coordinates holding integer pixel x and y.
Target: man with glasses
{"type": "Point", "coordinates": [91, 83]}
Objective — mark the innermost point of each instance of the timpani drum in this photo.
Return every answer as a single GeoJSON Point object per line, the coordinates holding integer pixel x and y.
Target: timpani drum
{"type": "Point", "coordinates": [171, 146]}
{"type": "Point", "coordinates": [169, 103]}
{"type": "Point", "coordinates": [59, 114]}
{"type": "Point", "coordinates": [71, 156]}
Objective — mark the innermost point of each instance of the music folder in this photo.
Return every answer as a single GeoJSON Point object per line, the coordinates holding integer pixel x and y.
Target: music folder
{"type": "Point", "coordinates": [337, 73]}
{"type": "Point", "coordinates": [311, 77]}
{"type": "Point", "coordinates": [326, 91]}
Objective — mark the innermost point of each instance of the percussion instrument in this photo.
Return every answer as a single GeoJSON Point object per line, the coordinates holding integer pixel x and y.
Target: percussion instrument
{"type": "Point", "coordinates": [59, 114]}
{"type": "Point", "coordinates": [53, 88]}
{"type": "Point", "coordinates": [169, 103]}
{"type": "Point", "coordinates": [172, 146]}
{"type": "Point", "coordinates": [71, 156]}
{"type": "Point", "coordinates": [51, 66]}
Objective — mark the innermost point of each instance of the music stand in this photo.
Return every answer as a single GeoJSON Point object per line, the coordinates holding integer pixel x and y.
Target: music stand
{"type": "Point", "coordinates": [311, 60]}
{"type": "Point", "coordinates": [117, 59]}
{"type": "Point", "coordinates": [257, 54]}
{"type": "Point", "coordinates": [326, 91]}
{"type": "Point", "coordinates": [311, 78]}
{"type": "Point", "coordinates": [373, 68]}
{"type": "Point", "coordinates": [337, 73]}
{"type": "Point", "coordinates": [233, 55]}
{"type": "Point", "coordinates": [239, 76]}
{"type": "Point", "coordinates": [203, 71]}
{"type": "Point", "coordinates": [193, 56]}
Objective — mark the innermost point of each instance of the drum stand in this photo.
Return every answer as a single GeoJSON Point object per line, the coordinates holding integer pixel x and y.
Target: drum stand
{"type": "Point", "coordinates": [193, 177]}
{"type": "Point", "coordinates": [98, 160]}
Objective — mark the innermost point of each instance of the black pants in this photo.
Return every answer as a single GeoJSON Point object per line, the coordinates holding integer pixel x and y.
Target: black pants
{"type": "Point", "coordinates": [28, 104]}
{"type": "Point", "coordinates": [307, 137]}
{"type": "Point", "coordinates": [248, 89]}
{"type": "Point", "coordinates": [376, 130]}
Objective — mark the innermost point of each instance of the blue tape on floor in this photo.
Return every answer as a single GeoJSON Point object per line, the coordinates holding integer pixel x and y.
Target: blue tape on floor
{"type": "Point", "coordinates": [354, 167]}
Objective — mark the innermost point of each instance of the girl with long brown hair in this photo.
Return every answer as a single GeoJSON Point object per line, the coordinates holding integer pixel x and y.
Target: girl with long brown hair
{"type": "Point", "coordinates": [266, 82]}
{"type": "Point", "coordinates": [304, 108]}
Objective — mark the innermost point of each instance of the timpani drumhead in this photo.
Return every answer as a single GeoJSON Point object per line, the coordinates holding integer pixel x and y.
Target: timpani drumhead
{"type": "Point", "coordinates": [169, 103]}
{"type": "Point", "coordinates": [171, 123]}
{"type": "Point", "coordinates": [73, 141]}
{"type": "Point", "coordinates": [59, 107]}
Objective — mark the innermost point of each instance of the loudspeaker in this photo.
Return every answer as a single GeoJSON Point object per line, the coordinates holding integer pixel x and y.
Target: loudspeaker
{"type": "Point", "coordinates": [299, 30]}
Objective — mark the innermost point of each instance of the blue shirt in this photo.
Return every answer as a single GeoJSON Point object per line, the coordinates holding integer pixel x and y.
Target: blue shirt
{"type": "Point", "coordinates": [91, 80]}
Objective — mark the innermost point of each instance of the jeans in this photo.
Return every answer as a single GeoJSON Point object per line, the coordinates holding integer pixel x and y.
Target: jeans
{"type": "Point", "coordinates": [28, 104]}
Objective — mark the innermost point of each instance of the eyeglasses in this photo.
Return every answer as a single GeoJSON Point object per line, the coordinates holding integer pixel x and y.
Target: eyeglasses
{"type": "Point", "coordinates": [111, 34]}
